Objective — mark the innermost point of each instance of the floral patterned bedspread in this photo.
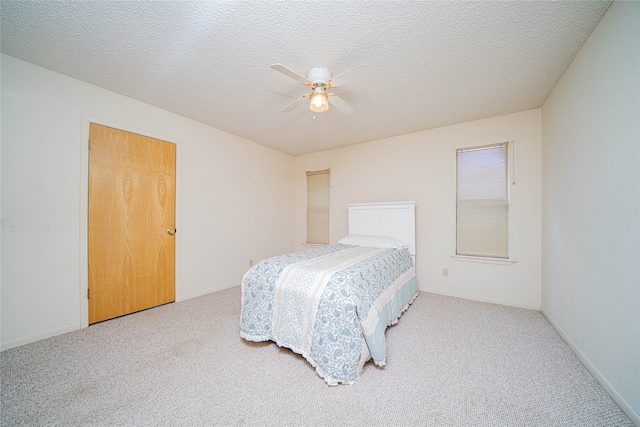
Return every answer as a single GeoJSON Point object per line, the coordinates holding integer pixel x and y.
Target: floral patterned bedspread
{"type": "Point", "coordinates": [331, 305]}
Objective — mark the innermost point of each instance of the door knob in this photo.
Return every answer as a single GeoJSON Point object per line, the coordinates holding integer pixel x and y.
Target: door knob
{"type": "Point", "coordinates": [171, 231]}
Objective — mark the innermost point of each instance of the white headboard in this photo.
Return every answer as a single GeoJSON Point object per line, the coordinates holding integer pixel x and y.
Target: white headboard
{"type": "Point", "coordinates": [393, 219]}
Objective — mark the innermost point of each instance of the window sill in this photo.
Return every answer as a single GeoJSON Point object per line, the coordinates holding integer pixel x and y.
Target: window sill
{"type": "Point", "coordinates": [484, 260]}
{"type": "Point", "coordinates": [314, 245]}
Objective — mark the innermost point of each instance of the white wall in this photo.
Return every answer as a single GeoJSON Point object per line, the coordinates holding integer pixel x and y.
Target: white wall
{"type": "Point", "coordinates": [235, 198]}
{"type": "Point", "coordinates": [591, 205]}
{"type": "Point", "coordinates": [422, 167]}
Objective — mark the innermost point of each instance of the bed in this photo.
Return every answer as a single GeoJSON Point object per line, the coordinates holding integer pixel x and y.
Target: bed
{"type": "Point", "coordinates": [332, 304]}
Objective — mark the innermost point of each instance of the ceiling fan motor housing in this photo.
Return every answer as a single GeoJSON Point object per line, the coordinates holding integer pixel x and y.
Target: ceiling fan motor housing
{"type": "Point", "coordinates": [319, 75]}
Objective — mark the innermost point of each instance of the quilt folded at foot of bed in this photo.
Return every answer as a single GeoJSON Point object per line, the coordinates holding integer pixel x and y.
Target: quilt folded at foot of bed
{"type": "Point", "coordinates": [331, 305]}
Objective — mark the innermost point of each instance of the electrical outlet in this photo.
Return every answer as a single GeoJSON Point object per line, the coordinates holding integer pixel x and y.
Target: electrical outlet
{"type": "Point", "coordinates": [445, 272]}
{"type": "Point", "coordinates": [251, 263]}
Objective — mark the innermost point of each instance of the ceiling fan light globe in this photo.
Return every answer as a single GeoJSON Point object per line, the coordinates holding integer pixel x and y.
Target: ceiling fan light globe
{"type": "Point", "coordinates": [319, 103]}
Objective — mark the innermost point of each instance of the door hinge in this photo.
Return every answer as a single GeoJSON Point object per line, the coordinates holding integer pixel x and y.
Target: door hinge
{"type": "Point", "coordinates": [89, 143]}
{"type": "Point", "coordinates": [87, 293]}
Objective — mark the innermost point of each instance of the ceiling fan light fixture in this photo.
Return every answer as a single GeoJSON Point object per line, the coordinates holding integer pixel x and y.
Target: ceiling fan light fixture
{"type": "Point", "coordinates": [320, 80]}
{"type": "Point", "coordinates": [319, 102]}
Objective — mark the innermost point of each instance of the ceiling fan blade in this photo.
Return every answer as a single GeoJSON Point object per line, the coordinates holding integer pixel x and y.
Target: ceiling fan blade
{"type": "Point", "coordinates": [295, 103]}
{"type": "Point", "coordinates": [360, 72]}
{"type": "Point", "coordinates": [340, 104]}
{"type": "Point", "coordinates": [286, 71]}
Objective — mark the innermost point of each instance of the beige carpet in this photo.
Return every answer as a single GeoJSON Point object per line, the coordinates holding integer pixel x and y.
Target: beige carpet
{"type": "Point", "coordinates": [451, 362]}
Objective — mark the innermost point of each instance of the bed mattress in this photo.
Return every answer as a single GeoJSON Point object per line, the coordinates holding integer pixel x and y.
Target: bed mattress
{"type": "Point", "coordinates": [332, 305]}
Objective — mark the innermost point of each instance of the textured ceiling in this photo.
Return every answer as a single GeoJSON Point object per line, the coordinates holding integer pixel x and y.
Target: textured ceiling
{"type": "Point", "coordinates": [433, 63]}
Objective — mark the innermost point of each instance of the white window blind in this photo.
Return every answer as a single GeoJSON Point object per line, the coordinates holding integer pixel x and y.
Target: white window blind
{"type": "Point", "coordinates": [318, 183]}
{"type": "Point", "coordinates": [482, 210]}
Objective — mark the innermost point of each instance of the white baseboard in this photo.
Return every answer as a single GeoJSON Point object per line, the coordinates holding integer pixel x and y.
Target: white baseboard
{"type": "Point", "coordinates": [54, 332]}
{"type": "Point", "coordinates": [606, 385]}
{"type": "Point", "coordinates": [481, 299]}
{"type": "Point", "coordinates": [208, 291]}
{"type": "Point", "coordinates": [37, 337]}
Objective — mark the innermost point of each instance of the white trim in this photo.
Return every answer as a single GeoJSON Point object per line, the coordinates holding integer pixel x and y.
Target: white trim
{"type": "Point", "coordinates": [382, 203]}
{"type": "Point", "coordinates": [606, 385]}
{"type": "Point", "coordinates": [84, 206]}
{"type": "Point", "coordinates": [484, 260]}
{"type": "Point", "coordinates": [211, 290]}
{"type": "Point", "coordinates": [481, 299]}
{"type": "Point", "coordinates": [37, 337]}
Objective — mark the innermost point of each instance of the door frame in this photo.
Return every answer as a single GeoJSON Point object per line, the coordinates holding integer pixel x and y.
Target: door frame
{"type": "Point", "coordinates": [84, 207]}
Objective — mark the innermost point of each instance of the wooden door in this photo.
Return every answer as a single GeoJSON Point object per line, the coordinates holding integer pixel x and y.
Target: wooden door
{"type": "Point", "coordinates": [131, 221]}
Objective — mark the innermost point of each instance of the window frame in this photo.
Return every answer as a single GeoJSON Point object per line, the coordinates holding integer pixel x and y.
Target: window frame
{"type": "Point", "coordinates": [495, 257]}
{"type": "Point", "coordinates": [322, 237]}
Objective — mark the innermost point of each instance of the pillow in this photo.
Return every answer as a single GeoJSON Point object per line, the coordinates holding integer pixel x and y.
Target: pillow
{"type": "Point", "coordinates": [372, 241]}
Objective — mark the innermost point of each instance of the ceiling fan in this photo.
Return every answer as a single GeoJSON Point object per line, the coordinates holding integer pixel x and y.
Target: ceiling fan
{"type": "Point", "coordinates": [319, 79]}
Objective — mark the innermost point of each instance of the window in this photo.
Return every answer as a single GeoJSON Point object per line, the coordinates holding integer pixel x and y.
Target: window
{"type": "Point", "coordinates": [482, 210]}
{"type": "Point", "coordinates": [318, 184]}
